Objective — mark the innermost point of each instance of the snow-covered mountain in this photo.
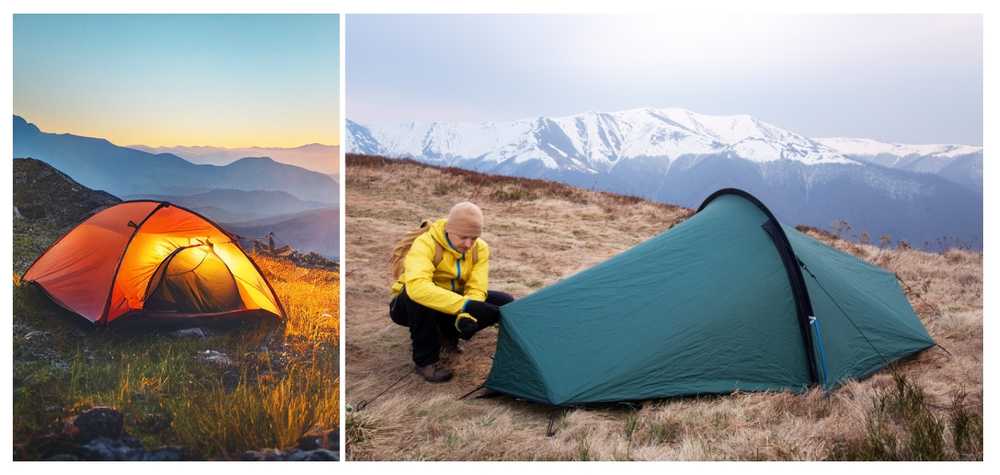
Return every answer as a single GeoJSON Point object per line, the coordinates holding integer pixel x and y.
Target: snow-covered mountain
{"type": "Point", "coordinates": [680, 156]}
{"type": "Point", "coordinates": [962, 164]}
{"type": "Point", "coordinates": [591, 142]}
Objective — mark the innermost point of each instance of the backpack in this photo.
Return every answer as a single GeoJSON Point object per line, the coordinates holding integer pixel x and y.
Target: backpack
{"type": "Point", "coordinates": [402, 247]}
{"type": "Point", "coordinates": [399, 251]}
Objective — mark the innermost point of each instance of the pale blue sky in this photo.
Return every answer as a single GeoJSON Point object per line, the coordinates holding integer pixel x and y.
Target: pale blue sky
{"type": "Point", "coordinates": [224, 80]}
{"type": "Point", "coordinates": [897, 78]}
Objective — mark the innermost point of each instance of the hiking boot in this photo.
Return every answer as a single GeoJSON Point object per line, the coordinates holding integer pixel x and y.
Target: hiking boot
{"type": "Point", "coordinates": [433, 374]}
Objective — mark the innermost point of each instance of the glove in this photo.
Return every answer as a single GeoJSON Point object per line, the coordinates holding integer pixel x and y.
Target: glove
{"type": "Point", "coordinates": [486, 313]}
{"type": "Point", "coordinates": [466, 324]}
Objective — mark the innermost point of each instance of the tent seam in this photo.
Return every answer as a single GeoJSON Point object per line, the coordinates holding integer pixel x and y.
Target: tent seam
{"type": "Point", "coordinates": [121, 258]}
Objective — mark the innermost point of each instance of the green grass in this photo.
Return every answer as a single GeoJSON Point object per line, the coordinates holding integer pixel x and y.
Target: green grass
{"type": "Point", "coordinates": [282, 383]}
{"type": "Point", "coordinates": [901, 425]}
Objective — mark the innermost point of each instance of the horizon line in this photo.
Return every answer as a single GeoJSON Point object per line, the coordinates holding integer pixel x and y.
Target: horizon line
{"type": "Point", "coordinates": [227, 147]}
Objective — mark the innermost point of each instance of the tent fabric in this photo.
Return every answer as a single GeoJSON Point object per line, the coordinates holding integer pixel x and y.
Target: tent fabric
{"type": "Point", "coordinates": [709, 306]}
{"type": "Point", "coordinates": [193, 280]}
{"type": "Point", "coordinates": [104, 268]}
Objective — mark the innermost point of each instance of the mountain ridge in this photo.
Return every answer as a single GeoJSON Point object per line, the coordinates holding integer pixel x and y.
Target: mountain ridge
{"type": "Point", "coordinates": [99, 164]}
{"type": "Point", "coordinates": [316, 157]}
{"type": "Point", "coordinates": [673, 155]}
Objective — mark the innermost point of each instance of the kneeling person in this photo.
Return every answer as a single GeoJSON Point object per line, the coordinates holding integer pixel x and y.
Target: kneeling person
{"type": "Point", "coordinates": [441, 291]}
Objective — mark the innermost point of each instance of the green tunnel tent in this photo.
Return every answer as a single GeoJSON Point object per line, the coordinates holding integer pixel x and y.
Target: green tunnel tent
{"type": "Point", "coordinates": [728, 300]}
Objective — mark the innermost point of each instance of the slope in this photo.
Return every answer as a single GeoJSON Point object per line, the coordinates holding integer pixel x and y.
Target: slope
{"type": "Point", "coordinates": [211, 393]}
{"type": "Point", "coordinates": [541, 232]}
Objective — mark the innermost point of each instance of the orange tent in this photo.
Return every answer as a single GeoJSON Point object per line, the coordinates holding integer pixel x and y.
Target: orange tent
{"type": "Point", "coordinates": [151, 259]}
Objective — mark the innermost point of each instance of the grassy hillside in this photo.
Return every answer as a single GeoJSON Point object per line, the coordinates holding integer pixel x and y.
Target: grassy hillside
{"type": "Point", "coordinates": [215, 396]}
{"type": "Point", "coordinates": [928, 407]}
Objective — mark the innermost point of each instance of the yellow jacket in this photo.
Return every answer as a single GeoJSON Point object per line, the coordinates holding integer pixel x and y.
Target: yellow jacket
{"type": "Point", "coordinates": [454, 281]}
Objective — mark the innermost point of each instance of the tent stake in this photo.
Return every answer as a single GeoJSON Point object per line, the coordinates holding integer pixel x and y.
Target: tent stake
{"type": "Point", "coordinates": [551, 430]}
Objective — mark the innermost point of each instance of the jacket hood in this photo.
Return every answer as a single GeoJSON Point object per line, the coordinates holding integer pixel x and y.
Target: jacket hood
{"type": "Point", "coordinates": [438, 233]}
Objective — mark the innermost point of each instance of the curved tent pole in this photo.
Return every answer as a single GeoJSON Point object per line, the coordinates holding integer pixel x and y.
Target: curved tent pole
{"type": "Point", "coordinates": [164, 204]}
{"type": "Point", "coordinates": [114, 277]}
{"type": "Point", "coordinates": [803, 305]}
{"type": "Point", "coordinates": [90, 215]}
{"type": "Point", "coordinates": [277, 300]}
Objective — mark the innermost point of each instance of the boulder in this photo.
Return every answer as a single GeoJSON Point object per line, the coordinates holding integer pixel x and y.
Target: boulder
{"type": "Point", "coordinates": [263, 455]}
{"type": "Point", "coordinates": [196, 332]}
{"type": "Point", "coordinates": [313, 455]}
{"type": "Point", "coordinates": [97, 422]}
{"type": "Point", "coordinates": [320, 439]}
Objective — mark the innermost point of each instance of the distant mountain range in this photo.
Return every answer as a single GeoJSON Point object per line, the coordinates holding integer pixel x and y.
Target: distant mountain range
{"type": "Point", "coordinates": [315, 230]}
{"type": "Point", "coordinates": [316, 157]}
{"type": "Point", "coordinates": [962, 164]}
{"type": "Point", "coordinates": [47, 203]}
{"type": "Point", "coordinates": [98, 164]}
{"type": "Point", "coordinates": [917, 193]}
{"type": "Point", "coordinates": [238, 205]}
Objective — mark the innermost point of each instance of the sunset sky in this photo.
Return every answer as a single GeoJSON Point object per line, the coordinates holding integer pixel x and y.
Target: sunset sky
{"type": "Point", "coordinates": [162, 80]}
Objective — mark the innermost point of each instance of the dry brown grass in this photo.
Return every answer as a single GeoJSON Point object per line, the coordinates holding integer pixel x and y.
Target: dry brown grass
{"type": "Point", "coordinates": [542, 232]}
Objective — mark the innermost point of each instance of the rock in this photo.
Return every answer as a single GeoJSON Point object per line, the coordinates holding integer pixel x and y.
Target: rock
{"type": "Point", "coordinates": [216, 357]}
{"type": "Point", "coordinates": [103, 448]}
{"type": "Point", "coordinates": [63, 458]}
{"type": "Point", "coordinates": [322, 439]}
{"type": "Point", "coordinates": [164, 454]}
{"type": "Point", "coordinates": [98, 422]}
{"type": "Point", "coordinates": [48, 446]}
{"type": "Point", "coordinates": [196, 332]}
{"type": "Point", "coordinates": [35, 334]}
{"type": "Point", "coordinates": [129, 449]}
{"type": "Point", "coordinates": [263, 455]}
{"type": "Point", "coordinates": [314, 455]}
{"type": "Point", "coordinates": [291, 455]}
{"type": "Point", "coordinates": [230, 380]}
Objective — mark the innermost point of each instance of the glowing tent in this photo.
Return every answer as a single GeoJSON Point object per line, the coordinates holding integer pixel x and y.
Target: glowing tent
{"type": "Point", "coordinates": [151, 260]}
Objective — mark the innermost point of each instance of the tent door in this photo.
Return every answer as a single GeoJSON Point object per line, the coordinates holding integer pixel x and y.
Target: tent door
{"type": "Point", "coordinates": [193, 280]}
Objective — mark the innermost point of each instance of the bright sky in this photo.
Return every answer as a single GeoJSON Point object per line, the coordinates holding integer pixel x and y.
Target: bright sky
{"type": "Point", "coordinates": [896, 78]}
{"type": "Point", "coordinates": [161, 80]}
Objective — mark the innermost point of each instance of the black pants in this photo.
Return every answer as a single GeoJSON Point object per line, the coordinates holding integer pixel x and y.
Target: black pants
{"type": "Point", "coordinates": [428, 328]}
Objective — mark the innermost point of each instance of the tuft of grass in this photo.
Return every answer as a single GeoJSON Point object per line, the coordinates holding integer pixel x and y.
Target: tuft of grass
{"type": "Point", "coordinates": [359, 428]}
{"type": "Point", "coordinates": [966, 429]}
{"type": "Point", "coordinates": [901, 425]}
{"type": "Point", "coordinates": [257, 415]}
{"type": "Point", "coordinates": [507, 194]}
{"type": "Point", "coordinates": [631, 425]}
{"type": "Point", "coordinates": [663, 432]}
{"type": "Point", "coordinates": [441, 189]}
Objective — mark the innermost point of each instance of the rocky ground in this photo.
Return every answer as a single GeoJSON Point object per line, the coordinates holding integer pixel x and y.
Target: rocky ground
{"type": "Point", "coordinates": [99, 434]}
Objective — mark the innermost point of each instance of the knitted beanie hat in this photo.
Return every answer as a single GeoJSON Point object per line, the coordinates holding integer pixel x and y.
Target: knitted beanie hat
{"type": "Point", "coordinates": [465, 219]}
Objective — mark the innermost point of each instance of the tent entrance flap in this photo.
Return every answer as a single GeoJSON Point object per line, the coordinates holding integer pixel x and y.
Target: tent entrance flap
{"type": "Point", "coordinates": [193, 279]}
